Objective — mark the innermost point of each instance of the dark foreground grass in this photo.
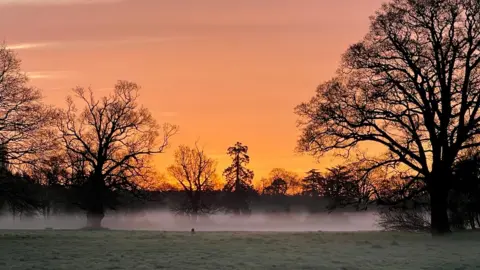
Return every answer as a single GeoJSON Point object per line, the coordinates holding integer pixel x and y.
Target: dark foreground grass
{"type": "Point", "coordinates": [90, 250]}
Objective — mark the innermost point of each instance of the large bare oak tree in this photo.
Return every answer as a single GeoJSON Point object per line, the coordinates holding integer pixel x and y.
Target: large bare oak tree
{"type": "Point", "coordinates": [111, 138]}
{"type": "Point", "coordinates": [24, 119]}
{"type": "Point", "coordinates": [412, 85]}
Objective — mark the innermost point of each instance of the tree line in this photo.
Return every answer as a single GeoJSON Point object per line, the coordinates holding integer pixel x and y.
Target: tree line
{"type": "Point", "coordinates": [96, 155]}
{"type": "Point", "coordinates": [410, 88]}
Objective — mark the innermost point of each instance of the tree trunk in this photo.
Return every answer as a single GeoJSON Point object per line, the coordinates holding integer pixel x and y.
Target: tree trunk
{"type": "Point", "coordinates": [95, 213]}
{"type": "Point", "coordinates": [95, 202]}
{"type": "Point", "coordinates": [440, 224]}
{"type": "Point", "coordinates": [94, 219]}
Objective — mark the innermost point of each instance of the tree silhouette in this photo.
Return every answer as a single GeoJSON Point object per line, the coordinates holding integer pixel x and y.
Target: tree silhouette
{"type": "Point", "coordinates": [196, 173]}
{"type": "Point", "coordinates": [464, 201]}
{"type": "Point", "coordinates": [343, 186]}
{"type": "Point", "coordinates": [277, 187]}
{"type": "Point", "coordinates": [53, 175]}
{"type": "Point", "coordinates": [19, 194]}
{"type": "Point", "coordinates": [239, 179]}
{"type": "Point", "coordinates": [109, 143]}
{"type": "Point", "coordinates": [292, 180]}
{"type": "Point", "coordinates": [24, 123]}
{"type": "Point", "coordinates": [312, 184]}
{"type": "Point", "coordinates": [24, 119]}
{"type": "Point", "coordinates": [411, 86]}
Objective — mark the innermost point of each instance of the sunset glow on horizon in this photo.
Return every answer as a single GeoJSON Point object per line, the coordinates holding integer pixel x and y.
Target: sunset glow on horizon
{"type": "Point", "coordinates": [224, 71]}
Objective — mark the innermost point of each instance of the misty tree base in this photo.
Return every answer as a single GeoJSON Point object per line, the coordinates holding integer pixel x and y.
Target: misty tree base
{"type": "Point", "coordinates": [94, 221]}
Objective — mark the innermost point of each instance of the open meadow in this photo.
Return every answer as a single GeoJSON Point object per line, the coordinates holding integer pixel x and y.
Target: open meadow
{"type": "Point", "coordinates": [110, 249]}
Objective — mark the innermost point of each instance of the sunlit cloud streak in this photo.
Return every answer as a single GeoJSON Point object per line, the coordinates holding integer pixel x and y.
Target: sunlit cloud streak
{"type": "Point", "coordinates": [55, 2]}
{"type": "Point", "coordinates": [88, 44]}
{"type": "Point", "coordinates": [26, 46]}
{"type": "Point", "coordinates": [42, 75]}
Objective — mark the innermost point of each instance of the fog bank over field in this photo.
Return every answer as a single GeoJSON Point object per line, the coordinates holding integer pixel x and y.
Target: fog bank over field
{"type": "Point", "coordinates": [167, 221]}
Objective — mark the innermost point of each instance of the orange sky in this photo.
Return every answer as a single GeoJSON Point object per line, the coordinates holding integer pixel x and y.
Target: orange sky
{"type": "Point", "coordinates": [223, 70]}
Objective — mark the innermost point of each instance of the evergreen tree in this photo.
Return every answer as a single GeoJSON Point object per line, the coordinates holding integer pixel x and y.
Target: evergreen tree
{"type": "Point", "coordinates": [238, 178]}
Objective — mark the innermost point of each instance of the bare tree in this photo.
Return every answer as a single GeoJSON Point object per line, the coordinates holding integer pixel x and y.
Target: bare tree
{"type": "Point", "coordinates": [196, 174]}
{"type": "Point", "coordinates": [410, 220]}
{"type": "Point", "coordinates": [24, 119]}
{"type": "Point", "coordinates": [412, 86]}
{"type": "Point", "coordinates": [109, 143]}
{"type": "Point", "coordinates": [24, 123]}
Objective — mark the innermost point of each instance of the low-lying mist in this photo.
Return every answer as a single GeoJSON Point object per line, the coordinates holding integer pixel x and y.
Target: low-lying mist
{"type": "Point", "coordinates": [167, 221]}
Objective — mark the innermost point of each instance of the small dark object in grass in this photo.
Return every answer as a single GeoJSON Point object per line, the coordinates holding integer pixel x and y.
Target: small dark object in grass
{"type": "Point", "coordinates": [192, 231]}
{"type": "Point", "coordinates": [95, 229]}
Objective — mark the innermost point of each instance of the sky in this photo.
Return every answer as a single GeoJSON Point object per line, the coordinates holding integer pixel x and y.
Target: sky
{"type": "Point", "coordinates": [223, 70]}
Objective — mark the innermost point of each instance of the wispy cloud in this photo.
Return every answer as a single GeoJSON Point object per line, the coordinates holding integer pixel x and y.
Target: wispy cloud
{"type": "Point", "coordinates": [39, 75]}
{"type": "Point", "coordinates": [82, 44]}
{"type": "Point", "coordinates": [26, 46]}
{"type": "Point", "coordinates": [55, 2]}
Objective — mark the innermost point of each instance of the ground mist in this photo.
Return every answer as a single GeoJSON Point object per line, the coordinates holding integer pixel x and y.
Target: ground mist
{"type": "Point", "coordinates": [162, 220]}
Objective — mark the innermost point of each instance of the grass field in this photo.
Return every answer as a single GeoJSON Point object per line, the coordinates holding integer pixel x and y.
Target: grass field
{"type": "Point", "coordinates": [23, 250]}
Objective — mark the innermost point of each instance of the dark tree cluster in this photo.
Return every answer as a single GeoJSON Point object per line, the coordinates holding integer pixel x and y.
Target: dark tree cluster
{"type": "Point", "coordinates": [87, 156]}
{"type": "Point", "coordinates": [412, 88]}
